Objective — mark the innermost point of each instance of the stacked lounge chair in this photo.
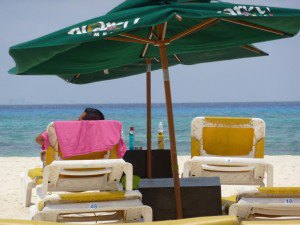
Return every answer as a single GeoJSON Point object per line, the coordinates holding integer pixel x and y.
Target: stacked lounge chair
{"type": "Point", "coordinates": [84, 188]}
{"type": "Point", "coordinates": [267, 203]}
{"type": "Point", "coordinates": [229, 148]}
{"type": "Point", "coordinates": [233, 149]}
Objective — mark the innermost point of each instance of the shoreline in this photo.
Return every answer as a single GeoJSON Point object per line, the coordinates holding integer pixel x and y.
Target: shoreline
{"type": "Point", "coordinates": [286, 173]}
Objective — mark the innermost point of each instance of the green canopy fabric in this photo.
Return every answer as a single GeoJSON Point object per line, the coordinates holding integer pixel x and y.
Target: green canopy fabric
{"type": "Point", "coordinates": [130, 4]}
{"type": "Point", "coordinates": [85, 48]}
{"type": "Point", "coordinates": [184, 59]}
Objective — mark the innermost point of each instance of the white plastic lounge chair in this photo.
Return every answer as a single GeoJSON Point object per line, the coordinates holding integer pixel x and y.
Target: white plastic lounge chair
{"type": "Point", "coordinates": [33, 177]}
{"type": "Point", "coordinates": [230, 148]}
{"type": "Point", "coordinates": [121, 206]}
{"type": "Point", "coordinates": [267, 203]}
{"type": "Point", "coordinates": [101, 206]}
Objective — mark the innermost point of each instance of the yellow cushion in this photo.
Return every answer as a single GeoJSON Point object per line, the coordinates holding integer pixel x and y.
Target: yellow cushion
{"type": "Point", "coordinates": [114, 153]}
{"type": "Point", "coordinates": [236, 141]}
{"type": "Point", "coordinates": [260, 149]}
{"type": "Point", "coordinates": [227, 202]}
{"type": "Point", "coordinates": [50, 155]}
{"type": "Point", "coordinates": [35, 173]}
{"type": "Point", "coordinates": [280, 190]}
{"type": "Point", "coordinates": [228, 120]}
{"type": "Point", "coordinates": [272, 192]}
{"type": "Point", "coordinates": [195, 147]}
{"type": "Point", "coordinates": [39, 181]}
{"type": "Point", "coordinates": [228, 141]}
{"type": "Point", "coordinates": [93, 196]}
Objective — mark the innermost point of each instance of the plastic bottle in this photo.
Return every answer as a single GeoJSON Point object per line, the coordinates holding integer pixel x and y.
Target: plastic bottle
{"type": "Point", "coordinates": [131, 138]}
{"type": "Point", "coordinates": [160, 137]}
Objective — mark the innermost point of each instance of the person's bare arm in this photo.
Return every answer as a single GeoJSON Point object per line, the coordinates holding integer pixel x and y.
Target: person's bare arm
{"type": "Point", "coordinates": [39, 139]}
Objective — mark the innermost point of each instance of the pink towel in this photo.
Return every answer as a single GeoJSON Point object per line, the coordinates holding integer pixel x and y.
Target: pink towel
{"type": "Point", "coordinates": [85, 137]}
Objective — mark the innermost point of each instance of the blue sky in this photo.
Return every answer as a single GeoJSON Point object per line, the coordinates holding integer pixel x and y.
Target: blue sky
{"type": "Point", "coordinates": [273, 78]}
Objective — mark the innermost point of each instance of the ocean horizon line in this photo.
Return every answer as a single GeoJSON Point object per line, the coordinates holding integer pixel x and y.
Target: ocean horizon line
{"type": "Point", "coordinates": [158, 103]}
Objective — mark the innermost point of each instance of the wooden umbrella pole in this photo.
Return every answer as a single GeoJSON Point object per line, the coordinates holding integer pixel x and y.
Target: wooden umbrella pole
{"type": "Point", "coordinates": [149, 136]}
{"type": "Point", "coordinates": [164, 64]}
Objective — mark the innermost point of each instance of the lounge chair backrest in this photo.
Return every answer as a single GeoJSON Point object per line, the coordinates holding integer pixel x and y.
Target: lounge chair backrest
{"type": "Point", "coordinates": [222, 136]}
{"type": "Point", "coordinates": [85, 175]}
{"type": "Point", "coordinates": [54, 152]}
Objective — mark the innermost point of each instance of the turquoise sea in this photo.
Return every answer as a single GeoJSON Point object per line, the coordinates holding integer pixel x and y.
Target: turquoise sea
{"type": "Point", "coordinates": [20, 124]}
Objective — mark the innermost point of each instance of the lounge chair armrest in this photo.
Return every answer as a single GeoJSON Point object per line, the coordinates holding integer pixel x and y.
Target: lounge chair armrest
{"type": "Point", "coordinates": [85, 172]}
{"type": "Point", "coordinates": [230, 161]}
{"type": "Point", "coordinates": [88, 164]}
{"type": "Point", "coordinates": [128, 170]}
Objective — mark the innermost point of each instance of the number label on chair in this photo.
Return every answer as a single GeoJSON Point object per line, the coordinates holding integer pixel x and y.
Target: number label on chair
{"type": "Point", "coordinates": [289, 201]}
{"type": "Point", "coordinates": [93, 206]}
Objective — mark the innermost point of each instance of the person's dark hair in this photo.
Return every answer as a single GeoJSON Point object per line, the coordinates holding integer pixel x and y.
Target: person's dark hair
{"type": "Point", "coordinates": [93, 114]}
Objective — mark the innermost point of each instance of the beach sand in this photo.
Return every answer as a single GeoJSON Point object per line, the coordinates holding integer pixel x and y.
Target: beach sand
{"type": "Point", "coordinates": [286, 173]}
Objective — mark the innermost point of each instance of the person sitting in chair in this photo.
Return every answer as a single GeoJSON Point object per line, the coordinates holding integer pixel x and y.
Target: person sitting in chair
{"type": "Point", "coordinates": [88, 114]}
{"type": "Point", "coordinates": [92, 114]}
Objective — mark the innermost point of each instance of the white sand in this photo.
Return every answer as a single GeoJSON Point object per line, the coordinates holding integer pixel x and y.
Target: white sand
{"type": "Point", "coordinates": [286, 173]}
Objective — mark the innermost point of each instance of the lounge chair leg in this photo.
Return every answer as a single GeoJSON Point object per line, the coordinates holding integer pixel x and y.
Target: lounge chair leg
{"type": "Point", "coordinates": [52, 217]}
{"type": "Point", "coordinates": [26, 190]}
{"type": "Point", "coordinates": [269, 175]}
{"type": "Point", "coordinates": [147, 214]}
{"type": "Point", "coordinates": [186, 169]}
{"type": "Point", "coordinates": [49, 217]}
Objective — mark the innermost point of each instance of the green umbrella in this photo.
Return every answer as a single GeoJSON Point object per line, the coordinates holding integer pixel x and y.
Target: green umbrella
{"type": "Point", "coordinates": [153, 29]}
{"type": "Point", "coordinates": [119, 37]}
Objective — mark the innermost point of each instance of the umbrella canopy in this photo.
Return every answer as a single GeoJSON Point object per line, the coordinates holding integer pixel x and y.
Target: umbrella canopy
{"type": "Point", "coordinates": [193, 26]}
{"type": "Point", "coordinates": [153, 29]}
{"type": "Point", "coordinates": [139, 67]}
